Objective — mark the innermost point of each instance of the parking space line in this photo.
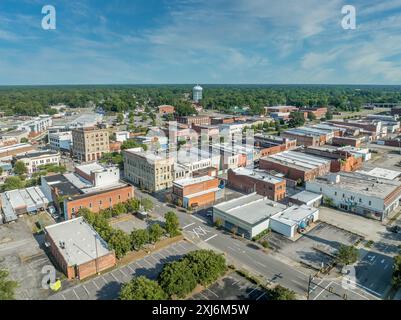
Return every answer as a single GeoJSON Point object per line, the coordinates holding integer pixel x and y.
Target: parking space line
{"type": "Point", "coordinates": [157, 261]}
{"type": "Point", "coordinates": [172, 247]}
{"type": "Point", "coordinates": [203, 295]}
{"type": "Point", "coordinates": [181, 245]}
{"type": "Point", "coordinates": [249, 294]}
{"type": "Point", "coordinates": [212, 292]}
{"type": "Point", "coordinates": [137, 263]}
{"type": "Point", "coordinates": [63, 296]}
{"type": "Point", "coordinates": [104, 280]}
{"type": "Point", "coordinates": [263, 294]}
{"type": "Point", "coordinates": [115, 278]}
{"type": "Point", "coordinates": [123, 273]}
{"type": "Point", "coordinates": [162, 257]}
{"type": "Point", "coordinates": [86, 290]}
{"type": "Point", "coordinates": [210, 238]}
{"type": "Point", "coordinates": [129, 267]}
{"type": "Point", "coordinates": [76, 294]}
{"type": "Point", "coordinates": [150, 265]}
{"type": "Point", "coordinates": [95, 284]}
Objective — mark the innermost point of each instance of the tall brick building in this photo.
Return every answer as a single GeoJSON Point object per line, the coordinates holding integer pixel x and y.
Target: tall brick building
{"type": "Point", "coordinates": [90, 143]}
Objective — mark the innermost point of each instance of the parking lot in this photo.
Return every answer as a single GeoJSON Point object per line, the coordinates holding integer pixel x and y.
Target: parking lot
{"type": "Point", "coordinates": [108, 285]}
{"type": "Point", "coordinates": [22, 255]}
{"type": "Point", "coordinates": [129, 222]}
{"type": "Point", "coordinates": [232, 287]}
{"type": "Point", "coordinates": [316, 246]}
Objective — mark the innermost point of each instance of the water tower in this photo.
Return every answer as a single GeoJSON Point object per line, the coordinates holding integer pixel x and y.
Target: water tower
{"type": "Point", "coordinates": [197, 92]}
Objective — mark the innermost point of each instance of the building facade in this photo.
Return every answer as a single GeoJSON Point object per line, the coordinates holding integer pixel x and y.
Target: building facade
{"type": "Point", "coordinates": [33, 160]}
{"type": "Point", "coordinates": [61, 140]}
{"type": "Point", "coordinates": [90, 143]}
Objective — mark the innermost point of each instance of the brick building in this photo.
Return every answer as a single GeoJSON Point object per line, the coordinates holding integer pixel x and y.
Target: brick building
{"type": "Point", "coordinates": [347, 141]}
{"type": "Point", "coordinates": [196, 192]}
{"type": "Point", "coordinates": [97, 201]}
{"type": "Point", "coordinates": [197, 120]}
{"type": "Point", "coordinates": [269, 145]}
{"type": "Point", "coordinates": [318, 112]}
{"type": "Point", "coordinates": [90, 143]}
{"type": "Point", "coordinates": [166, 109]}
{"type": "Point", "coordinates": [78, 249]}
{"type": "Point", "coordinates": [258, 181]}
{"type": "Point", "coordinates": [296, 166]}
{"type": "Point", "coordinates": [9, 151]}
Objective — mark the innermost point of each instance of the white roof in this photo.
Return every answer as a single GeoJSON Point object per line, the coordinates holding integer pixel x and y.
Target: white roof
{"type": "Point", "coordinates": [77, 241]}
{"type": "Point", "coordinates": [298, 159]}
{"type": "Point", "coordinates": [189, 181]}
{"type": "Point", "coordinates": [294, 215]}
{"type": "Point", "coordinates": [382, 173]}
{"type": "Point", "coordinates": [251, 209]}
{"type": "Point", "coordinates": [90, 167]}
{"type": "Point", "coordinates": [257, 174]}
{"type": "Point", "coordinates": [306, 196]}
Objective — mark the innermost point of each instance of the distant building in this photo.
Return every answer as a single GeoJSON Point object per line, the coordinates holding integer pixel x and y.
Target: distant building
{"type": "Point", "coordinates": [10, 151]}
{"type": "Point", "coordinates": [197, 93]}
{"type": "Point", "coordinates": [259, 181]}
{"type": "Point", "coordinates": [318, 112]}
{"type": "Point", "coordinates": [166, 109]}
{"type": "Point", "coordinates": [281, 109]}
{"type": "Point", "coordinates": [90, 143]}
{"type": "Point", "coordinates": [14, 136]}
{"type": "Point", "coordinates": [36, 125]}
{"type": "Point", "coordinates": [78, 249]}
{"type": "Point", "coordinates": [61, 140]}
{"type": "Point", "coordinates": [194, 120]}
{"type": "Point", "coordinates": [122, 136]}
{"type": "Point", "coordinates": [33, 160]}
{"type": "Point", "coordinates": [196, 192]}
{"type": "Point", "coordinates": [359, 193]}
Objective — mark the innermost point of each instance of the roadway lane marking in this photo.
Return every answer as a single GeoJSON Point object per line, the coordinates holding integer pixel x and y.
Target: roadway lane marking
{"type": "Point", "coordinates": [313, 288]}
{"type": "Point", "coordinates": [188, 225]}
{"type": "Point", "coordinates": [199, 219]}
{"type": "Point", "coordinates": [323, 290]}
{"type": "Point", "coordinates": [261, 264]}
{"type": "Point", "coordinates": [210, 238]}
{"type": "Point", "coordinates": [372, 292]}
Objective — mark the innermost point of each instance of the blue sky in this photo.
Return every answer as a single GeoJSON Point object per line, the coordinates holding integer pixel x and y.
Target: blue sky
{"type": "Point", "coordinates": [194, 41]}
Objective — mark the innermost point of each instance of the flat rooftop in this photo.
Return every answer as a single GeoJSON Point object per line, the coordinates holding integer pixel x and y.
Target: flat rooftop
{"type": "Point", "coordinates": [382, 173]}
{"type": "Point", "coordinates": [251, 209]}
{"type": "Point", "coordinates": [90, 167]}
{"type": "Point", "coordinates": [190, 181]}
{"type": "Point", "coordinates": [306, 196]}
{"type": "Point", "coordinates": [361, 183]}
{"type": "Point", "coordinates": [257, 174]}
{"type": "Point", "coordinates": [294, 215]}
{"type": "Point", "coordinates": [77, 241]}
{"type": "Point", "coordinates": [64, 186]}
{"type": "Point", "coordinates": [37, 154]}
{"type": "Point", "coordinates": [298, 160]}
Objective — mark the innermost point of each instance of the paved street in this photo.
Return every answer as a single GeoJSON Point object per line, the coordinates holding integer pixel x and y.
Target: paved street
{"type": "Point", "coordinates": [273, 267]}
{"type": "Point", "coordinates": [108, 285]}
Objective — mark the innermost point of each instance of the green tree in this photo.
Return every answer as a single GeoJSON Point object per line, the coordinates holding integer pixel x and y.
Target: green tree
{"type": "Point", "coordinates": [20, 168]}
{"type": "Point", "coordinates": [119, 209]}
{"type": "Point", "coordinates": [347, 255]}
{"type": "Point", "coordinates": [132, 205]}
{"type": "Point", "coordinates": [297, 119]}
{"type": "Point", "coordinates": [24, 140]}
{"type": "Point", "coordinates": [155, 232]}
{"type": "Point", "coordinates": [120, 118]}
{"type": "Point", "coordinates": [177, 278]}
{"type": "Point", "coordinates": [396, 279]}
{"type": "Point", "coordinates": [206, 265]}
{"type": "Point", "coordinates": [172, 224]}
{"type": "Point", "coordinates": [147, 204]}
{"type": "Point", "coordinates": [311, 116]}
{"type": "Point", "coordinates": [13, 183]}
{"type": "Point", "coordinates": [142, 288]}
{"type": "Point", "coordinates": [218, 223]}
{"type": "Point", "coordinates": [139, 238]}
{"type": "Point", "coordinates": [329, 115]}
{"type": "Point", "coordinates": [1, 171]}
{"type": "Point", "coordinates": [7, 287]}
{"type": "Point", "coordinates": [281, 293]}
{"type": "Point", "coordinates": [120, 242]}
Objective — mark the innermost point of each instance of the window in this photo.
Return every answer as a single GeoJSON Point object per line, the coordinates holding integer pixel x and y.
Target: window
{"type": "Point", "coordinates": [90, 205]}
{"type": "Point", "coordinates": [100, 202]}
{"type": "Point", "coordinates": [72, 210]}
{"type": "Point", "coordinates": [370, 203]}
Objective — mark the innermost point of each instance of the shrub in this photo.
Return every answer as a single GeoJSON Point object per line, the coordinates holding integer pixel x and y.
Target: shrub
{"type": "Point", "coordinates": [172, 224]}
{"type": "Point", "coordinates": [139, 238]}
{"type": "Point", "coordinates": [177, 278]}
{"type": "Point", "coordinates": [142, 288]}
{"type": "Point", "coordinates": [347, 255]}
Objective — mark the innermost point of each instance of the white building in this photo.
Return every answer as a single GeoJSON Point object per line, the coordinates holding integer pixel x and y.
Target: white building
{"type": "Point", "coordinates": [358, 193]}
{"type": "Point", "coordinates": [197, 93]}
{"type": "Point", "coordinates": [61, 140]}
{"type": "Point", "coordinates": [252, 214]}
{"type": "Point", "coordinates": [122, 136]}
{"type": "Point", "coordinates": [99, 175]}
{"type": "Point", "coordinates": [36, 125]}
{"type": "Point", "coordinates": [33, 160]}
{"type": "Point", "coordinates": [363, 153]}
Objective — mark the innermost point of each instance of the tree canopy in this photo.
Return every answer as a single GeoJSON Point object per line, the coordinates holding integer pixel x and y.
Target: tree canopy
{"type": "Point", "coordinates": [142, 288]}
{"type": "Point", "coordinates": [7, 287]}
